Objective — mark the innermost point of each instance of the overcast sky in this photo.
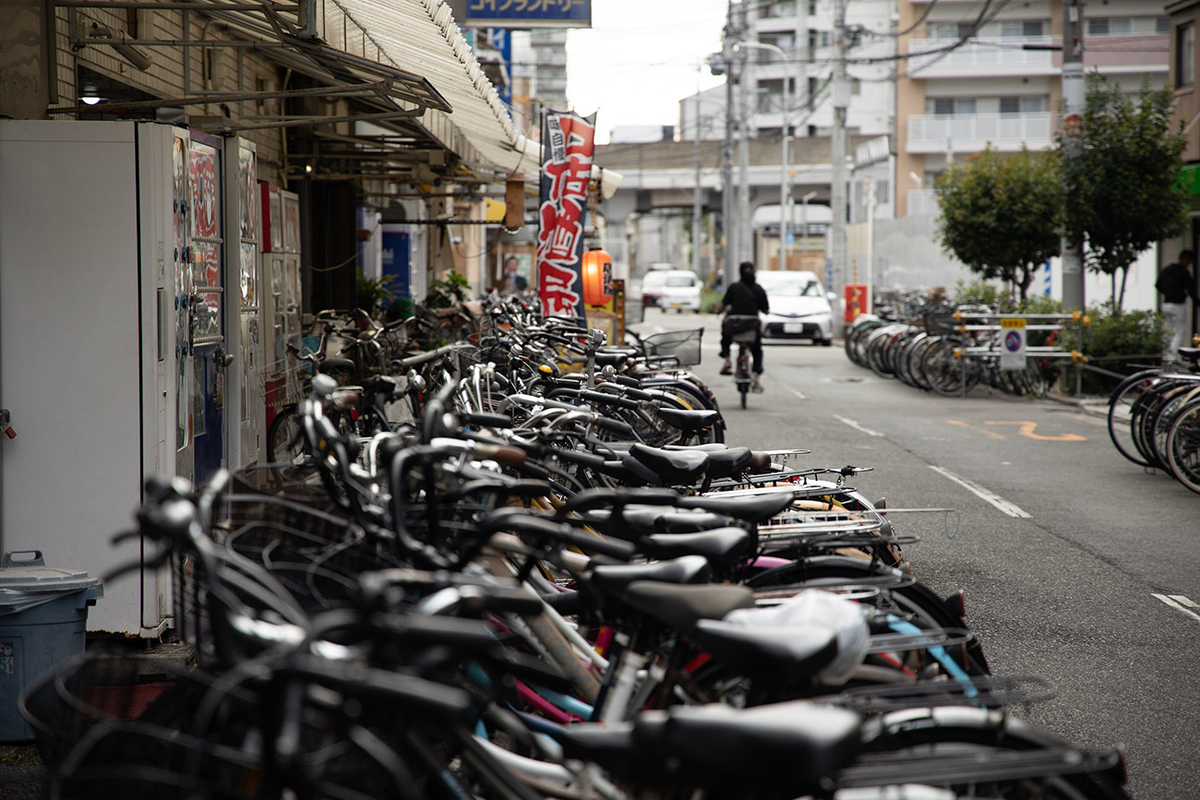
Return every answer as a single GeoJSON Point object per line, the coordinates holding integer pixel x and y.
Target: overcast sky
{"type": "Point", "coordinates": [640, 58]}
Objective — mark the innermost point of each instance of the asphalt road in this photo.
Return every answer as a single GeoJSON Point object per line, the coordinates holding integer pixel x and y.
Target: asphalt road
{"type": "Point", "coordinates": [1063, 567]}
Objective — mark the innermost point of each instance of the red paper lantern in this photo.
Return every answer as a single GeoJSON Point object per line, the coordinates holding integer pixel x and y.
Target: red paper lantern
{"type": "Point", "coordinates": [597, 278]}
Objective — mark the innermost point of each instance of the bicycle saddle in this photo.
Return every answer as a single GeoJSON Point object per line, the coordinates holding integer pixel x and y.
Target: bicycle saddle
{"type": "Point", "coordinates": [680, 607]}
{"type": "Point", "coordinates": [787, 749]}
{"type": "Point", "coordinates": [748, 508]}
{"type": "Point", "coordinates": [1191, 354]}
{"type": "Point", "coordinates": [666, 466]}
{"type": "Point", "coordinates": [778, 751]}
{"type": "Point", "coordinates": [727, 463]}
{"type": "Point", "coordinates": [693, 420]}
{"type": "Point", "coordinates": [638, 521]}
{"type": "Point", "coordinates": [336, 365]}
{"type": "Point", "coordinates": [611, 359]}
{"type": "Point", "coordinates": [768, 651]}
{"type": "Point", "coordinates": [614, 579]}
{"type": "Point", "coordinates": [721, 547]}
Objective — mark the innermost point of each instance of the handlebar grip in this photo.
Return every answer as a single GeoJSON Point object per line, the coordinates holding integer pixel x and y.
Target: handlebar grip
{"type": "Point", "coordinates": [582, 459]}
{"type": "Point", "coordinates": [609, 399]}
{"type": "Point", "coordinates": [616, 426]}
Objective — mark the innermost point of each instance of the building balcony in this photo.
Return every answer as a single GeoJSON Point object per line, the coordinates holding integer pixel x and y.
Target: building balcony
{"type": "Point", "coordinates": [988, 58]}
{"type": "Point", "coordinates": [938, 133]}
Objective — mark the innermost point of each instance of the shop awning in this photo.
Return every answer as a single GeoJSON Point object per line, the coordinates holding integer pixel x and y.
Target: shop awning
{"type": "Point", "coordinates": [421, 35]}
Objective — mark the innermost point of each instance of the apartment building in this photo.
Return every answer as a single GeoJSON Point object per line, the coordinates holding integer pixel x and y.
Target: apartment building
{"type": "Point", "coordinates": [803, 30]}
{"type": "Point", "coordinates": [980, 72]}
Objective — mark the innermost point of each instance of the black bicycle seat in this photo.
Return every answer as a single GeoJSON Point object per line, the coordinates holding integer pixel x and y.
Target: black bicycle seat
{"type": "Point", "coordinates": [679, 607]}
{"type": "Point", "coordinates": [614, 579]}
{"type": "Point", "coordinates": [727, 463]}
{"type": "Point", "coordinates": [693, 420]}
{"type": "Point", "coordinates": [770, 651]}
{"type": "Point", "coordinates": [671, 466]}
{"type": "Point", "coordinates": [611, 359]}
{"type": "Point", "coordinates": [781, 750]}
{"type": "Point", "coordinates": [748, 508]}
{"type": "Point", "coordinates": [336, 365]}
{"type": "Point", "coordinates": [722, 547]}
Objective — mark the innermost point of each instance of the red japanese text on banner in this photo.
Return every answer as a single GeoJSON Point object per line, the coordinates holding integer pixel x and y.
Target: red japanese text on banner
{"type": "Point", "coordinates": [567, 146]}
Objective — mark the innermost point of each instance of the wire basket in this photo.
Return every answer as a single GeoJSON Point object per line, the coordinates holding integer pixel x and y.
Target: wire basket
{"type": "Point", "coordinates": [683, 346]}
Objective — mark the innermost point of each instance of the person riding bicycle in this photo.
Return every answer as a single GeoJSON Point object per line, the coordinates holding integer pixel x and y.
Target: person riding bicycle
{"type": "Point", "coordinates": [744, 298]}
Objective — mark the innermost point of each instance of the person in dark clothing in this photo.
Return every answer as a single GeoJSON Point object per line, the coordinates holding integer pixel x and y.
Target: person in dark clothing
{"type": "Point", "coordinates": [1176, 284]}
{"type": "Point", "coordinates": [744, 298]}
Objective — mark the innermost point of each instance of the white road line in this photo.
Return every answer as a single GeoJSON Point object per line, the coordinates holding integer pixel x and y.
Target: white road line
{"type": "Point", "coordinates": [1187, 601]}
{"type": "Point", "coordinates": [856, 425]}
{"type": "Point", "coordinates": [1178, 604]}
{"type": "Point", "coordinates": [996, 500]}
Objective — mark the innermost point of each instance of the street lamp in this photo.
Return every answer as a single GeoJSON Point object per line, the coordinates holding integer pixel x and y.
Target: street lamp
{"type": "Point", "coordinates": [784, 184]}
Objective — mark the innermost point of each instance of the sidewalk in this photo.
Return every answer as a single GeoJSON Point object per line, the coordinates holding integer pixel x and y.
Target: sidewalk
{"type": "Point", "coordinates": [1092, 405]}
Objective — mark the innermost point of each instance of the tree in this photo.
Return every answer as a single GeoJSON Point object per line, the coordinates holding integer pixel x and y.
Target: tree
{"type": "Point", "coordinates": [1122, 190]}
{"type": "Point", "coordinates": [1000, 214]}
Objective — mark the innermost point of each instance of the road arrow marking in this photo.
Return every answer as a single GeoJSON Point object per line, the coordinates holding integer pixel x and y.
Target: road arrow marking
{"type": "Point", "coordinates": [1179, 603]}
{"type": "Point", "coordinates": [996, 500]}
{"type": "Point", "coordinates": [1027, 429]}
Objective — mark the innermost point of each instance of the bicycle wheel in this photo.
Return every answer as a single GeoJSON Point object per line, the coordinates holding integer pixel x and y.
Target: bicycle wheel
{"type": "Point", "coordinates": [975, 737]}
{"type": "Point", "coordinates": [942, 370]}
{"type": "Point", "coordinates": [1183, 446]}
{"type": "Point", "coordinates": [283, 436]}
{"type": "Point", "coordinates": [1174, 400]}
{"type": "Point", "coordinates": [1120, 413]}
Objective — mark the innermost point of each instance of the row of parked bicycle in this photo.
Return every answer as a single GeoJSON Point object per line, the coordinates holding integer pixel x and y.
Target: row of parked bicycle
{"type": "Point", "coordinates": [1154, 419]}
{"type": "Point", "coordinates": [545, 576]}
{"type": "Point", "coordinates": [952, 349]}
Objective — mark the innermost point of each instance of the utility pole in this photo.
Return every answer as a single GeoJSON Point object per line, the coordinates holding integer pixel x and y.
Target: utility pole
{"type": "Point", "coordinates": [1073, 100]}
{"type": "Point", "coordinates": [728, 222]}
{"type": "Point", "coordinates": [841, 100]}
{"type": "Point", "coordinates": [696, 197]}
{"type": "Point", "coordinates": [744, 229]}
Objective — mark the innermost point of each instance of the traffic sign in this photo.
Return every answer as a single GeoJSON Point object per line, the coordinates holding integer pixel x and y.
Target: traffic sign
{"type": "Point", "coordinates": [1012, 352]}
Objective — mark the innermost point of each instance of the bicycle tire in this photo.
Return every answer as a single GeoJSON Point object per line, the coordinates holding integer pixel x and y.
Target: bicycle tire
{"type": "Point", "coordinates": [1174, 400]}
{"type": "Point", "coordinates": [1120, 405]}
{"type": "Point", "coordinates": [1183, 446]}
{"type": "Point", "coordinates": [942, 370]}
{"type": "Point", "coordinates": [944, 731]}
{"type": "Point", "coordinates": [281, 433]}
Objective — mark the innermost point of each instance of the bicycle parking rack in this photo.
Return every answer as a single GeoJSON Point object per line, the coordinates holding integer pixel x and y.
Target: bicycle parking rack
{"type": "Point", "coordinates": [996, 323]}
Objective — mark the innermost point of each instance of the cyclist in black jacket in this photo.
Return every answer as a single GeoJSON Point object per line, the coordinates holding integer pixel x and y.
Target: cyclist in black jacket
{"type": "Point", "coordinates": [744, 298]}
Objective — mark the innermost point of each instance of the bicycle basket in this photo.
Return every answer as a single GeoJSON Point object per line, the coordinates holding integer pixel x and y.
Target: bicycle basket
{"type": "Point", "coordinates": [684, 346]}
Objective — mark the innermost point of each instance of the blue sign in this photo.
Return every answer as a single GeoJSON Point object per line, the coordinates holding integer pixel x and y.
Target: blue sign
{"type": "Point", "coordinates": [396, 259]}
{"type": "Point", "coordinates": [501, 39]}
{"type": "Point", "coordinates": [523, 14]}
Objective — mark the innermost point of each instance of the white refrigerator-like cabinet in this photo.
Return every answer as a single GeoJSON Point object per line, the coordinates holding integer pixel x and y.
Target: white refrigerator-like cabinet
{"type": "Point", "coordinates": [114, 325]}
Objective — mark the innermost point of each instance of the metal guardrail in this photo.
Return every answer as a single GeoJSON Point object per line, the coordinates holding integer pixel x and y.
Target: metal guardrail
{"type": "Point", "coordinates": [993, 348]}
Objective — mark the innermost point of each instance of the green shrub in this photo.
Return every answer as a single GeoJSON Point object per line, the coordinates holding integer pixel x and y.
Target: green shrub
{"type": "Point", "coordinates": [1131, 333]}
{"type": "Point", "coordinates": [709, 300]}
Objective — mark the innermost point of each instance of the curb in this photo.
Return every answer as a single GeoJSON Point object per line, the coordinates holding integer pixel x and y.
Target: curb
{"type": "Point", "coordinates": [1094, 406]}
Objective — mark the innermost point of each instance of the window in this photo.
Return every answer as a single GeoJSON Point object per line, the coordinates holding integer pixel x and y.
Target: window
{"type": "Point", "coordinates": [812, 8]}
{"type": "Point", "coordinates": [1185, 54]}
{"type": "Point", "coordinates": [1022, 27]}
{"type": "Point", "coordinates": [949, 30]}
{"type": "Point", "coordinates": [1127, 26]}
{"type": "Point", "coordinates": [1022, 105]}
{"type": "Point", "coordinates": [814, 86]}
{"type": "Point", "coordinates": [950, 106]}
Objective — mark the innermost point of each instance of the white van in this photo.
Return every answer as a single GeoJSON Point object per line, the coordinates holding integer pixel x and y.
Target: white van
{"type": "Point", "coordinates": [677, 289]}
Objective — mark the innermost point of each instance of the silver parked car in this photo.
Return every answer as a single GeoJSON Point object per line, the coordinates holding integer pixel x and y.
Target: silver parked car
{"type": "Point", "coordinates": [800, 307]}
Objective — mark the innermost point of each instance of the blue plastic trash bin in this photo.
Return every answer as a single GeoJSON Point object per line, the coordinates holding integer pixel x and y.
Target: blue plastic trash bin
{"type": "Point", "coordinates": [43, 622]}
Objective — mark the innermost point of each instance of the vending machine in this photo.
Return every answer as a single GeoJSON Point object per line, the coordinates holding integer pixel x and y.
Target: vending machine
{"type": "Point", "coordinates": [122, 354]}
{"type": "Point", "coordinates": [282, 302]}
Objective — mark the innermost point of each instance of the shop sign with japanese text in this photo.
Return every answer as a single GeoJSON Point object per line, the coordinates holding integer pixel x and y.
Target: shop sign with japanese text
{"type": "Point", "coordinates": [567, 145]}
